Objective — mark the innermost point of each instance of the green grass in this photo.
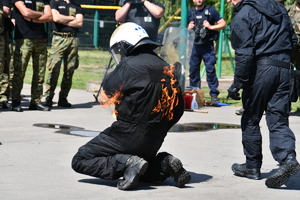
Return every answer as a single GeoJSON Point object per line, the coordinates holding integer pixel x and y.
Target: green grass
{"type": "Point", "coordinates": [93, 64]}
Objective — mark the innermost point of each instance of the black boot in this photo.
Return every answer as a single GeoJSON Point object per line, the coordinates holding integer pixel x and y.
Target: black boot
{"type": "Point", "coordinates": [38, 106]}
{"type": "Point", "coordinates": [288, 168]}
{"type": "Point", "coordinates": [214, 100]}
{"type": "Point", "coordinates": [16, 106]}
{"type": "Point", "coordinates": [63, 102]}
{"type": "Point", "coordinates": [5, 105]}
{"type": "Point", "coordinates": [174, 167]}
{"type": "Point", "coordinates": [243, 171]}
{"type": "Point", "coordinates": [134, 168]}
{"type": "Point", "coordinates": [48, 102]}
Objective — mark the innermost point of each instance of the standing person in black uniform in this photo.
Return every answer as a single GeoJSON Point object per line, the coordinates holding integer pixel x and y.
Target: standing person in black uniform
{"type": "Point", "coordinates": [263, 39]}
{"type": "Point", "coordinates": [146, 13]}
{"type": "Point", "coordinates": [67, 18]}
{"type": "Point", "coordinates": [205, 21]}
{"type": "Point", "coordinates": [149, 103]}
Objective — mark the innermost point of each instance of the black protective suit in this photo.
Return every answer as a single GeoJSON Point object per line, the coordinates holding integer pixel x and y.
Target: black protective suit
{"type": "Point", "coordinates": [139, 130]}
{"type": "Point", "coordinates": [263, 39]}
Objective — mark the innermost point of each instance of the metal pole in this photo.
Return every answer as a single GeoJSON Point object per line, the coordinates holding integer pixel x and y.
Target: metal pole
{"type": "Point", "coordinates": [183, 40]}
{"type": "Point", "coordinates": [220, 46]}
{"type": "Point", "coordinates": [96, 29]}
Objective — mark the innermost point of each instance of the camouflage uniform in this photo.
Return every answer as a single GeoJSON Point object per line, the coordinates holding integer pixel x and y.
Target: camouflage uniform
{"type": "Point", "coordinates": [31, 42]}
{"type": "Point", "coordinates": [64, 47]}
{"type": "Point", "coordinates": [25, 48]}
{"type": "Point", "coordinates": [295, 18]}
{"type": "Point", "coordinates": [295, 58]}
{"type": "Point", "coordinates": [4, 94]}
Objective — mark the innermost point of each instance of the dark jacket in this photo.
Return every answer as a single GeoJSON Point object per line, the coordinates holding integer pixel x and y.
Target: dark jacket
{"type": "Point", "coordinates": [143, 86]}
{"type": "Point", "coordinates": [259, 28]}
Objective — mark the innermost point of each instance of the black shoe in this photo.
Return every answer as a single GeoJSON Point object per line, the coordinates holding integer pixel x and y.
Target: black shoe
{"type": "Point", "coordinates": [134, 168]}
{"type": "Point", "coordinates": [49, 102]}
{"type": "Point", "coordinates": [243, 171]}
{"type": "Point", "coordinates": [174, 167]}
{"type": "Point", "coordinates": [5, 105]}
{"type": "Point", "coordinates": [63, 102]}
{"type": "Point", "coordinates": [16, 106]}
{"type": "Point", "coordinates": [39, 106]}
{"type": "Point", "coordinates": [214, 100]}
{"type": "Point", "coordinates": [288, 168]}
{"type": "Point", "coordinates": [239, 112]}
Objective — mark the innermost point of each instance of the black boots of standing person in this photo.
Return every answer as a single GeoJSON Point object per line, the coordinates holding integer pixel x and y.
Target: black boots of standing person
{"type": "Point", "coordinates": [63, 102]}
{"type": "Point", "coordinates": [16, 106]}
{"type": "Point", "coordinates": [48, 102]}
{"type": "Point", "coordinates": [39, 106]}
{"type": "Point", "coordinates": [173, 166]}
{"type": "Point", "coordinates": [134, 168]}
{"type": "Point", "coordinates": [5, 105]}
{"type": "Point", "coordinates": [243, 171]}
{"type": "Point", "coordinates": [288, 168]}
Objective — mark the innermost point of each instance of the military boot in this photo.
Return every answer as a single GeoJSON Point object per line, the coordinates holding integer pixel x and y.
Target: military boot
{"type": "Point", "coordinates": [134, 168]}
{"type": "Point", "coordinates": [243, 171]}
{"type": "Point", "coordinates": [48, 102]}
{"type": "Point", "coordinates": [288, 168]}
{"type": "Point", "coordinates": [174, 167]}
{"type": "Point", "coordinates": [5, 105]}
{"type": "Point", "coordinates": [16, 106]}
{"type": "Point", "coordinates": [214, 100]}
{"type": "Point", "coordinates": [63, 102]}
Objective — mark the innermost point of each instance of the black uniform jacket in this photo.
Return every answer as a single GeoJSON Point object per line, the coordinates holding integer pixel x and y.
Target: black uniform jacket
{"type": "Point", "coordinates": [142, 124]}
{"type": "Point", "coordinates": [259, 28]}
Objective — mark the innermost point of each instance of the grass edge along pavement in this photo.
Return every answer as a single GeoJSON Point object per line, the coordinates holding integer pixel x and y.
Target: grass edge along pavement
{"type": "Point", "coordinates": [93, 64]}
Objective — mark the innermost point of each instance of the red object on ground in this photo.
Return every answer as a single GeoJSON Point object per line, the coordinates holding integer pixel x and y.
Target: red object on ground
{"type": "Point", "coordinates": [188, 97]}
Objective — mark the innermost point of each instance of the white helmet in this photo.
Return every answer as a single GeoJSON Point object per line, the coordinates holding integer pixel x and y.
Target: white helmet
{"type": "Point", "coordinates": [126, 38]}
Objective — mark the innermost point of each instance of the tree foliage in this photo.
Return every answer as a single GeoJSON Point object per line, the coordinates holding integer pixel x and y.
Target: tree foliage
{"type": "Point", "coordinates": [171, 6]}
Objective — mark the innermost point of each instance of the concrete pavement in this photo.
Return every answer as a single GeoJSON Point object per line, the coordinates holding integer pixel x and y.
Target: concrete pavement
{"type": "Point", "coordinates": [37, 148]}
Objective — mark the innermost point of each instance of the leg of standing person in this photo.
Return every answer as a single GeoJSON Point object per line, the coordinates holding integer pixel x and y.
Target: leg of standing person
{"type": "Point", "coordinates": [195, 62]}
{"type": "Point", "coordinates": [59, 46]}
{"type": "Point", "coordinates": [22, 54]}
{"type": "Point", "coordinates": [39, 60]}
{"type": "Point", "coordinates": [282, 138]}
{"type": "Point", "coordinates": [209, 58]}
{"type": "Point", "coordinates": [5, 90]}
{"type": "Point", "coordinates": [71, 63]}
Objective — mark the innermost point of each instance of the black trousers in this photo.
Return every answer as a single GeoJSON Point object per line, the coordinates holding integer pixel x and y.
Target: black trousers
{"type": "Point", "coordinates": [269, 93]}
{"type": "Point", "coordinates": [105, 155]}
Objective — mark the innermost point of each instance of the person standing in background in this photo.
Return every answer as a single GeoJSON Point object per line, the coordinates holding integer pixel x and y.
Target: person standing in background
{"type": "Point", "coordinates": [206, 22]}
{"type": "Point", "coordinates": [146, 13]}
{"type": "Point", "coordinates": [263, 71]}
{"type": "Point", "coordinates": [67, 18]}
{"type": "Point", "coordinates": [31, 41]}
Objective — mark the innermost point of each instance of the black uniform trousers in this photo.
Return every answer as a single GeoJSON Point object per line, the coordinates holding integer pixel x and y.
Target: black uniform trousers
{"type": "Point", "coordinates": [105, 155]}
{"type": "Point", "coordinates": [269, 92]}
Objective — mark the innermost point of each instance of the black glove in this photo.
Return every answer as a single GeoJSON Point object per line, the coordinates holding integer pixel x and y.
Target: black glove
{"type": "Point", "coordinates": [233, 93]}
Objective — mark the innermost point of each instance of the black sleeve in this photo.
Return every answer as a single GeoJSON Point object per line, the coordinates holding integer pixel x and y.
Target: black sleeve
{"type": "Point", "coordinates": [242, 41]}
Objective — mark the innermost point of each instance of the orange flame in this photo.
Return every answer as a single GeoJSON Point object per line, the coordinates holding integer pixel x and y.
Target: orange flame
{"type": "Point", "coordinates": [113, 99]}
{"type": "Point", "coordinates": [169, 99]}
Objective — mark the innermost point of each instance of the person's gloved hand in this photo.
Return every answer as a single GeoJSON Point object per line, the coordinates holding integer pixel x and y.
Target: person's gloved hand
{"type": "Point", "coordinates": [233, 93]}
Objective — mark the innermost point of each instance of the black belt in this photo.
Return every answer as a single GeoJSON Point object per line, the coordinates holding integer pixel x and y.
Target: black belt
{"type": "Point", "coordinates": [64, 34]}
{"type": "Point", "coordinates": [278, 63]}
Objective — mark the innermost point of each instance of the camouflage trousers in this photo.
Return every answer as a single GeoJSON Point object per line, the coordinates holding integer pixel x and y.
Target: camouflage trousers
{"type": "Point", "coordinates": [4, 67]}
{"type": "Point", "coordinates": [64, 49]}
{"type": "Point", "coordinates": [24, 50]}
